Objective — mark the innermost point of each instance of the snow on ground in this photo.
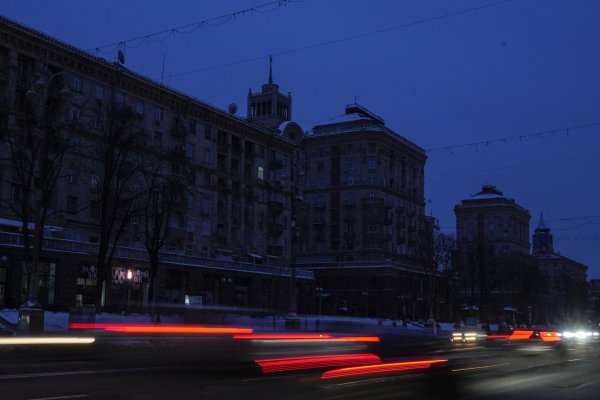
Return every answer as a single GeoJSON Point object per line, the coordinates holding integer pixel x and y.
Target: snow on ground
{"type": "Point", "coordinates": [58, 321]}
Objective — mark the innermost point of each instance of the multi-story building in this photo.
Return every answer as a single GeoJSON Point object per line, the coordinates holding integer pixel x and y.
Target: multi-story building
{"type": "Point", "coordinates": [362, 215]}
{"type": "Point", "coordinates": [493, 254]}
{"type": "Point", "coordinates": [230, 182]}
{"type": "Point", "coordinates": [566, 279]}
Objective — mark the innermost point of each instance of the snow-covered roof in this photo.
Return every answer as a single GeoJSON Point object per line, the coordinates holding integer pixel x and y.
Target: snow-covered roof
{"type": "Point", "coordinates": [345, 118]}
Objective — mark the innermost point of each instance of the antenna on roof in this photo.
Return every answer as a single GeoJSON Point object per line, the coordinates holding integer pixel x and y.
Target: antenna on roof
{"type": "Point", "coordinates": [121, 57]}
{"type": "Point", "coordinates": [270, 69]}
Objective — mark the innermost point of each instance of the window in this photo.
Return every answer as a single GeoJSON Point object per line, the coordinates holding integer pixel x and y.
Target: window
{"type": "Point", "coordinates": [372, 163]}
{"type": "Point", "coordinates": [76, 83]}
{"type": "Point", "coordinates": [261, 151]}
{"type": "Point", "coordinates": [206, 205]}
{"type": "Point", "coordinates": [72, 204]}
{"type": "Point", "coordinates": [321, 183]}
{"type": "Point", "coordinates": [191, 201]}
{"type": "Point", "coordinates": [261, 195]}
{"type": "Point", "coordinates": [190, 226]}
{"type": "Point", "coordinates": [191, 151]}
{"type": "Point", "coordinates": [207, 132]}
{"type": "Point", "coordinates": [74, 113]}
{"type": "Point", "coordinates": [139, 107]}
{"type": "Point", "coordinates": [192, 127]}
{"type": "Point", "coordinates": [206, 228]}
{"type": "Point", "coordinates": [99, 92]}
{"type": "Point", "coordinates": [320, 201]}
{"type": "Point", "coordinates": [207, 158]}
{"type": "Point", "coordinates": [320, 166]}
{"type": "Point", "coordinates": [349, 198]}
{"type": "Point", "coordinates": [350, 163]}
{"type": "Point", "coordinates": [72, 174]}
{"type": "Point", "coordinates": [94, 182]}
{"type": "Point", "coordinates": [350, 180]}
{"type": "Point", "coordinates": [98, 122]}
{"type": "Point", "coordinates": [119, 99]}
{"type": "Point", "coordinates": [158, 115]}
{"type": "Point", "coordinates": [157, 140]}
{"type": "Point", "coordinates": [261, 173]}
{"type": "Point", "coordinates": [371, 180]}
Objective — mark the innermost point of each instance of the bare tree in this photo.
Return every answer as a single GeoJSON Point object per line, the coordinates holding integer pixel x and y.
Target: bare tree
{"type": "Point", "coordinates": [34, 150]}
{"type": "Point", "coordinates": [115, 166]}
{"type": "Point", "coordinates": [159, 207]}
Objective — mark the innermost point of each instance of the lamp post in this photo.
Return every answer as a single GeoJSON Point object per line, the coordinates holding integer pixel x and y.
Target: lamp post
{"type": "Point", "coordinates": [129, 277]}
{"type": "Point", "coordinates": [31, 316]}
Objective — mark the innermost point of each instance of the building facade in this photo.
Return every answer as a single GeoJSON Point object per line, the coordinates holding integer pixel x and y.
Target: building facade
{"type": "Point", "coordinates": [567, 287]}
{"type": "Point", "coordinates": [229, 182]}
{"type": "Point", "coordinates": [362, 215]}
{"type": "Point", "coordinates": [493, 257]}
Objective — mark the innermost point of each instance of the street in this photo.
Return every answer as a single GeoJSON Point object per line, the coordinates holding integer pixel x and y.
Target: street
{"type": "Point", "coordinates": [146, 367]}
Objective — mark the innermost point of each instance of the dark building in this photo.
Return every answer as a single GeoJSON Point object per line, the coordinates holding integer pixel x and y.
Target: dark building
{"type": "Point", "coordinates": [493, 258]}
{"type": "Point", "coordinates": [566, 279]}
{"type": "Point", "coordinates": [231, 184]}
{"type": "Point", "coordinates": [362, 216]}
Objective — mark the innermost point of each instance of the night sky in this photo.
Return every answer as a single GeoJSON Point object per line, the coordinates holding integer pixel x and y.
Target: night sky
{"type": "Point", "coordinates": [505, 93]}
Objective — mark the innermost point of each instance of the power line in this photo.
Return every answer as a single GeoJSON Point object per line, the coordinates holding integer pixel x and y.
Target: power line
{"type": "Point", "coordinates": [533, 164]}
{"type": "Point", "coordinates": [344, 39]}
{"type": "Point", "coordinates": [511, 139]}
{"type": "Point", "coordinates": [189, 28]}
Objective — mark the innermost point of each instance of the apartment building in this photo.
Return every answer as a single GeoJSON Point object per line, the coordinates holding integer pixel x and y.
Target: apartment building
{"type": "Point", "coordinates": [230, 183]}
{"type": "Point", "coordinates": [362, 216]}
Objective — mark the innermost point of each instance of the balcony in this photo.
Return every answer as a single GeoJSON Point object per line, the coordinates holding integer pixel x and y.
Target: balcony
{"type": "Point", "coordinates": [127, 253]}
{"type": "Point", "coordinates": [373, 202]}
{"type": "Point", "coordinates": [275, 207]}
{"type": "Point", "coordinates": [320, 205]}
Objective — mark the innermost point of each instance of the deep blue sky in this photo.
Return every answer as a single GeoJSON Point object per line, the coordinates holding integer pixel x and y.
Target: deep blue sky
{"type": "Point", "coordinates": [513, 69]}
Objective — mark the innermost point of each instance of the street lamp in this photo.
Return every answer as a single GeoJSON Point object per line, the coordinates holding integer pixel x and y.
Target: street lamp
{"type": "Point", "coordinates": [129, 277]}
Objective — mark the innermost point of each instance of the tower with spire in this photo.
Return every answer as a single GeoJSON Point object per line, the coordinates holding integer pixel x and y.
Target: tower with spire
{"type": "Point", "coordinates": [269, 107]}
{"type": "Point", "coordinates": [542, 239]}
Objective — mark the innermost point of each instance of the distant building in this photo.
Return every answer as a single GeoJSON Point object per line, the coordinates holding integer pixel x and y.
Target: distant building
{"type": "Point", "coordinates": [493, 256]}
{"type": "Point", "coordinates": [362, 216]}
{"type": "Point", "coordinates": [566, 278]}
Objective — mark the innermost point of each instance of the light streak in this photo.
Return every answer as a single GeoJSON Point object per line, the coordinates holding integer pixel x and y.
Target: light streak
{"type": "Point", "coordinates": [46, 340]}
{"type": "Point", "coordinates": [380, 368]}
{"type": "Point", "coordinates": [272, 365]}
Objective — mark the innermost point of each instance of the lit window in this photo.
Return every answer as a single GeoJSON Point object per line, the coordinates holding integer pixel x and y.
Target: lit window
{"type": "Point", "coordinates": [261, 173]}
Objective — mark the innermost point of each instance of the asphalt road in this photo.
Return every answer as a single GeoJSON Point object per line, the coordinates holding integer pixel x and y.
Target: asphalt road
{"type": "Point", "coordinates": [141, 367]}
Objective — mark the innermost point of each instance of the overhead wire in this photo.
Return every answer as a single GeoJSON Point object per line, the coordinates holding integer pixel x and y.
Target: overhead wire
{"type": "Point", "coordinates": [342, 39]}
{"type": "Point", "coordinates": [191, 27]}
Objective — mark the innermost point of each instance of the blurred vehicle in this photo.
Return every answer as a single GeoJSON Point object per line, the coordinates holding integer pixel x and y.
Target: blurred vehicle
{"type": "Point", "coordinates": [581, 334]}
{"type": "Point", "coordinates": [528, 339]}
{"type": "Point", "coordinates": [466, 336]}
